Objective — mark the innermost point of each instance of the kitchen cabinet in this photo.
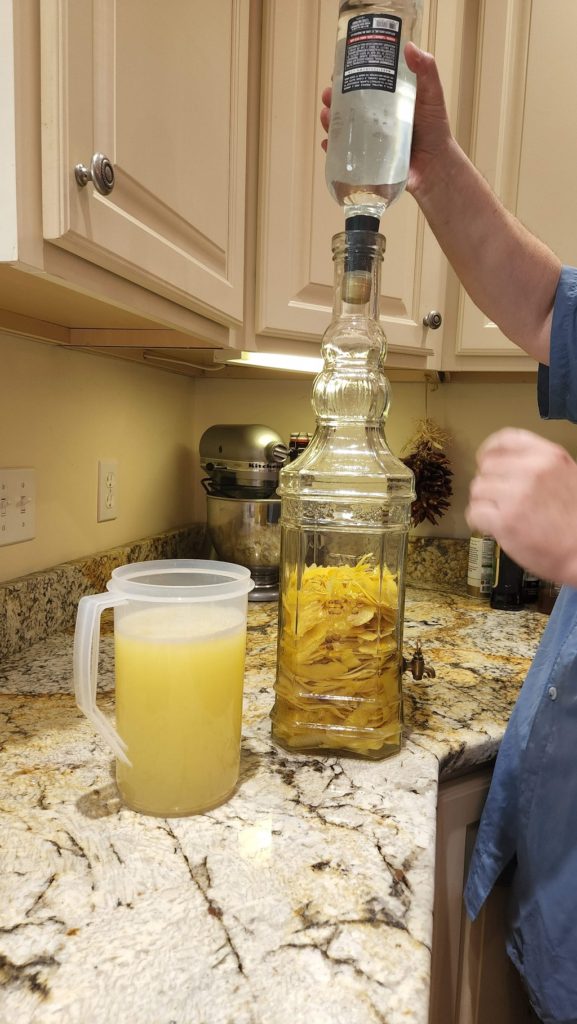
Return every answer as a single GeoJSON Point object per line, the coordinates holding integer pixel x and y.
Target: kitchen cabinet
{"type": "Point", "coordinates": [491, 55]}
{"type": "Point", "coordinates": [162, 91]}
{"type": "Point", "coordinates": [472, 979]}
{"type": "Point", "coordinates": [217, 232]}
{"type": "Point", "coordinates": [516, 96]}
{"type": "Point", "coordinates": [297, 216]}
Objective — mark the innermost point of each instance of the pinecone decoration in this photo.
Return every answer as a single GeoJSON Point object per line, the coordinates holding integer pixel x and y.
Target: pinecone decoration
{"type": "Point", "coordinates": [427, 458]}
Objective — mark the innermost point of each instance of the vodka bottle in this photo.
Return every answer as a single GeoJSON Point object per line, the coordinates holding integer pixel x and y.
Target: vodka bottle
{"type": "Point", "coordinates": [369, 143]}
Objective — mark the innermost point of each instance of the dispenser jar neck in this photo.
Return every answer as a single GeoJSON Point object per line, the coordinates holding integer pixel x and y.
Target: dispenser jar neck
{"type": "Point", "coordinates": [352, 386]}
{"type": "Point", "coordinates": [357, 256]}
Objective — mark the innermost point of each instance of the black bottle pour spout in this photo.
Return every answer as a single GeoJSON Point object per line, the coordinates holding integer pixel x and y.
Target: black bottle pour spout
{"type": "Point", "coordinates": [357, 276]}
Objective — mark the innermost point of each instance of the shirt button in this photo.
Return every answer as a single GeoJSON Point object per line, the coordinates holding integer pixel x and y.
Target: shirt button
{"type": "Point", "coordinates": [553, 692]}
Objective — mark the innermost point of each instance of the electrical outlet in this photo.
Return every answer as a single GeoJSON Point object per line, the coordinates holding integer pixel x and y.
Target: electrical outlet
{"type": "Point", "coordinates": [107, 490]}
{"type": "Point", "coordinates": [17, 505]}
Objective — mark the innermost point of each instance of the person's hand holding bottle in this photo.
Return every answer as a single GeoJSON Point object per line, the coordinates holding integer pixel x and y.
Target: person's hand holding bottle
{"type": "Point", "coordinates": [431, 130]}
{"type": "Point", "coordinates": [508, 273]}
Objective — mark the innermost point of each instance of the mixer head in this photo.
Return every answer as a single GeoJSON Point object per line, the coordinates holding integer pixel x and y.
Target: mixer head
{"type": "Point", "coordinates": [242, 460]}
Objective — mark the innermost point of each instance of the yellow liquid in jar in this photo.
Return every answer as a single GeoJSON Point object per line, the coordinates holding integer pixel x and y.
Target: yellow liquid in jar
{"type": "Point", "coordinates": [338, 685]}
{"type": "Point", "coordinates": [179, 683]}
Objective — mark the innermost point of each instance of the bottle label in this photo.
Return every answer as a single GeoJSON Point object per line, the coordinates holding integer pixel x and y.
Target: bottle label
{"type": "Point", "coordinates": [480, 568]}
{"type": "Point", "coordinates": [372, 53]}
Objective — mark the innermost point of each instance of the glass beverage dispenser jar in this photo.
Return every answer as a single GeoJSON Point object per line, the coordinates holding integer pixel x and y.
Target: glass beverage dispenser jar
{"type": "Point", "coordinates": [345, 513]}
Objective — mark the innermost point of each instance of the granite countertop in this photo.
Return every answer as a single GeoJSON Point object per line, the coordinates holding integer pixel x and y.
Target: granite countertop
{"type": "Point", "coordinates": [306, 898]}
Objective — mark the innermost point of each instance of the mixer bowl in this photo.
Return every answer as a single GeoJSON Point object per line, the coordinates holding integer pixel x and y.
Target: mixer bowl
{"type": "Point", "coordinates": [247, 532]}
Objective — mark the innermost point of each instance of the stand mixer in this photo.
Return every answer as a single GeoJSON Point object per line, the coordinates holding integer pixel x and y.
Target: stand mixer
{"type": "Point", "coordinates": [242, 463]}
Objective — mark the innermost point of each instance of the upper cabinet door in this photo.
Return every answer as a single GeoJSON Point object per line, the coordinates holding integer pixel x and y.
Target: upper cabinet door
{"type": "Point", "coordinates": [298, 217]}
{"type": "Point", "coordinates": [546, 195]}
{"type": "Point", "coordinates": [490, 127]}
{"type": "Point", "coordinates": [161, 90]}
{"type": "Point", "coordinates": [520, 72]}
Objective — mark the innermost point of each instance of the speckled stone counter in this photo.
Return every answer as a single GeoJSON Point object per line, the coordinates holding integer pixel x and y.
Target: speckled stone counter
{"type": "Point", "coordinates": [306, 898]}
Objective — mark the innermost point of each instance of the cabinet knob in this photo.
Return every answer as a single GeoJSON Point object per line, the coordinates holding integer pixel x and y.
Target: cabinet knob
{"type": "Point", "coordinates": [101, 174]}
{"type": "Point", "coordinates": [433, 320]}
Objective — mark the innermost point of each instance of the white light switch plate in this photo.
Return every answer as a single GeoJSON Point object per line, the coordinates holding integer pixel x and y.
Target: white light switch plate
{"type": "Point", "coordinates": [17, 505]}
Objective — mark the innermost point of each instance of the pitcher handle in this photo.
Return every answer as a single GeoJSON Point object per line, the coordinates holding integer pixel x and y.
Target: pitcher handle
{"type": "Point", "coordinates": [86, 646]}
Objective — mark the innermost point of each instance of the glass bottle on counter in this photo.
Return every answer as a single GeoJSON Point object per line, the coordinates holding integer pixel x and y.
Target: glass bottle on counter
{"type": "Point", "coordinates": [480, 566]}
{"type": "Point", "coordinates": [345, 514]}
{"type": "Point", "coordinates": [373, 102]}
{"type": "Point", "coordinates": [547, 595]}
{"type": "Point", "coordinates": [507, 591]}
{"type": "Point", "coordinates": [530, 587]}
{"type": "Point", "coordinates": [299, 440]}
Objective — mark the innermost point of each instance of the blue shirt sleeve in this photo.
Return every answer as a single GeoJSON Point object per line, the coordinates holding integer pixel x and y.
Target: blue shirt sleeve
{"type": "Point", "coordinates": [557, 383]}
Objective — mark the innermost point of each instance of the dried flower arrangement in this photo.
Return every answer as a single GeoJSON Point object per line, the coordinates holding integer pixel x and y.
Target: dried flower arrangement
{"type": "Point", "coordinates": [426, 455]}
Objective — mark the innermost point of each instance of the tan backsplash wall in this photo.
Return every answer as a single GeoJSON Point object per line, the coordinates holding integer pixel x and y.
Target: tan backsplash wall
{"type": "Point", "coordinates": [470, 410]}
{"type": "Point", "coordinates": [61, 412]}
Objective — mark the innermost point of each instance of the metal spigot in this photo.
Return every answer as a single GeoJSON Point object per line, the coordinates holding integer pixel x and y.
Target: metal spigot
{"type": "Point", "coordinates": [416, 666]}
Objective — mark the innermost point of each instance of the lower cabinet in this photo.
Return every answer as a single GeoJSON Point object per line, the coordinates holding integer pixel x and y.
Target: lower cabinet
{"type": "Point", "coordinates": [472, 978]}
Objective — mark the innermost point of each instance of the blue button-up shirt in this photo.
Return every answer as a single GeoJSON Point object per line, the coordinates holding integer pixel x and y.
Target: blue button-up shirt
{"type": "Point", "coordinates": [531, 810]}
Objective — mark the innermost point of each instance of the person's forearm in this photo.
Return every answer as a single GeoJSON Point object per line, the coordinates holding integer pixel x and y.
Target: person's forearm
{"type": "Point", "coordinates": [509, 274]}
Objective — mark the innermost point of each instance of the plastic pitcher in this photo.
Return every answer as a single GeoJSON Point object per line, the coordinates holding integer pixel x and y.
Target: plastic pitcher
{"type": "Point", "coordinates": [179, 650]}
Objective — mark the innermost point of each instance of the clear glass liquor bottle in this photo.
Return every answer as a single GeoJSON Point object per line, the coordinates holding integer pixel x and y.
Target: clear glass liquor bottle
{"type": "Point", "coordinates": [373, 103]}
{"type": "Point", "coordinates": [345, 514]}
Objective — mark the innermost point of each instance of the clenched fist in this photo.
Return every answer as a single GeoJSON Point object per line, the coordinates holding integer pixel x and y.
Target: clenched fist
{"type": "Point", "coordinates": [525, 496]}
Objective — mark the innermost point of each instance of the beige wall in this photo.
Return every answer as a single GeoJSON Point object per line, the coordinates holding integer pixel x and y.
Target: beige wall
{"type": "Point", "coordinates": [62, 411]}
{"type": "Point", "coordinates": [469, 410]}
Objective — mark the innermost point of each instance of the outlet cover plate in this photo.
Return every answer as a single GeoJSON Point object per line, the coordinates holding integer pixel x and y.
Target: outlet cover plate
{"type": "Point", "coordinates": [107, 490]}
{"type": "Point", "coordinates": [17, 505]}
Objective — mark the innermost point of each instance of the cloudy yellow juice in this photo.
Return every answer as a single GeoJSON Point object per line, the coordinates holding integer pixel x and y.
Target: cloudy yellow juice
{"type": "Point", "coordinates": [179, 681]}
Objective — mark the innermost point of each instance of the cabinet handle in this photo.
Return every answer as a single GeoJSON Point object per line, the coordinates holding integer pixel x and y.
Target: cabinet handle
{"type": "Point", "coordinates": [101, 174]}
{"type": "Point", "coordinates": [433, 320]}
